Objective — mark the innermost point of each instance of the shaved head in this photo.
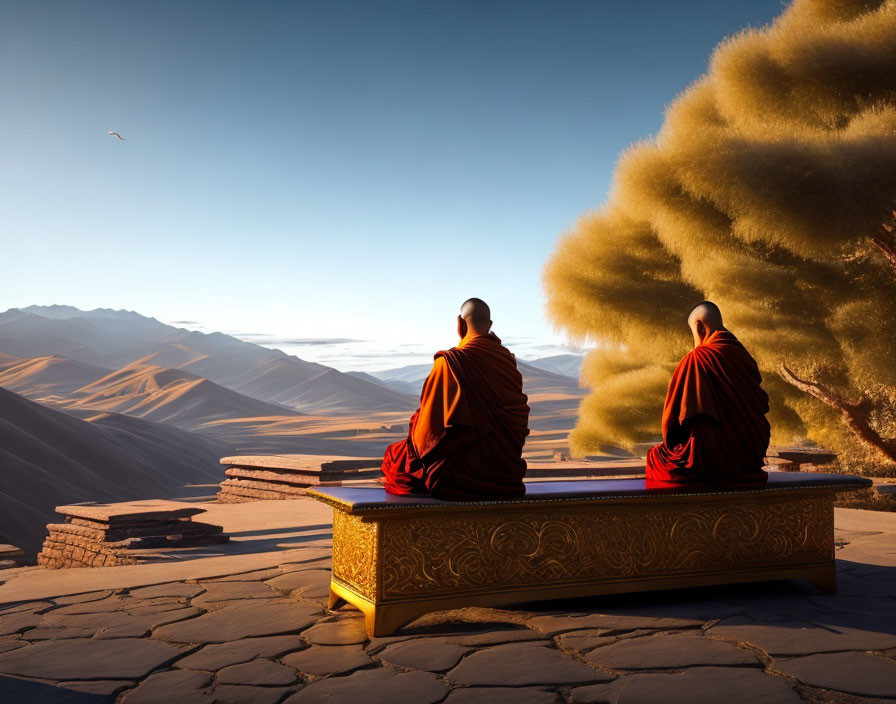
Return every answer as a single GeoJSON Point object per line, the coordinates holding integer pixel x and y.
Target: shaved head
{"type": "Point", "coordinates": [476, 310]}
{"type": "Point", "coordinates": [704, 320]}
{"type": "Point", "coordinates": [474, 317]}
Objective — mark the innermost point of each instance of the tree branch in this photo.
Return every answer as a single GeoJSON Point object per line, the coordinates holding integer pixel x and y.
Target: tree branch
{"type": "Point", "coordinates": [856, 414]}
{"type": "Point", "coordinates": [885, 239]}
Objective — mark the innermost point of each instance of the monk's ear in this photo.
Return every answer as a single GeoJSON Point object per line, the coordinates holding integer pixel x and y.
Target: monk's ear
{"type": "Point", "coordinates": [461, 328]}
{"type": "Point", "coordinates": [701, 329]}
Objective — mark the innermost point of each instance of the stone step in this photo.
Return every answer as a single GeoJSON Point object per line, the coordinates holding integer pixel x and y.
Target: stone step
{"type": "Point", "coordinates": [131, 512]}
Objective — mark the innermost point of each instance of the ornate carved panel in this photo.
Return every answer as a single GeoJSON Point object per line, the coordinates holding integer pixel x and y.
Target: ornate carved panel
{"type": "Point", "coordinates": [471, 551]}
{"type": "Point", "coordinates": [355, 552]}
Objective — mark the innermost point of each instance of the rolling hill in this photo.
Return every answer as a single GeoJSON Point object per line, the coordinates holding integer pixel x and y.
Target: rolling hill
{"type": "Point", "coordinates": [169, 396]}
{"type": "Point", "coordinates": [47, 378]}
{"type": "Point", "coordinates": [51, 458]}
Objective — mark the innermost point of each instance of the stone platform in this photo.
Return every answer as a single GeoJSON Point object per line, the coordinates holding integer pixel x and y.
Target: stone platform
{"type": "Point", "coordinates": [281, 477]}
{"type": "Point", "coordinates": [796, 459]}
{"type": "Point", "coordinates": [11, 556]}
{"type": "Point", "coordinates": [126, 533]}
{"type": "Point", "coordinates": [250, 625]}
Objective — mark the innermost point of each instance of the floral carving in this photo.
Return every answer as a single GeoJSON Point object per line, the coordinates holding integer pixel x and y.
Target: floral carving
{"type": "Point", "coordinates": [355, 553]}
{"type": "Point", "coordinates": [447, 553]}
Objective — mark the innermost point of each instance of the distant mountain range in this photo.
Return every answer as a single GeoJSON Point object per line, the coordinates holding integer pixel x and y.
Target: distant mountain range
{"type": "Point", "coordinates": [115, 339]}
{"type": "Point", "coordinates": [408, 379]}
{"type": "Point", "coordinates": [565, 364]}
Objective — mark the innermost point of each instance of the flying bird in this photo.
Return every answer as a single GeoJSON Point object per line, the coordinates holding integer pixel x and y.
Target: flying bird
{"type": "Point", "coordinates": [116, 134]}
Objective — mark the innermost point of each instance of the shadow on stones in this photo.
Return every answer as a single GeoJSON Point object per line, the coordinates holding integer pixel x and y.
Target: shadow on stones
{"type": "Point", "coordinates": [457, 627]}
{"type": "Point", "coordinates": [13, 690]}
{"type": "Point", "coordinates": [261, 532]}
{"type": "Point", "coordinates": [786, 603]}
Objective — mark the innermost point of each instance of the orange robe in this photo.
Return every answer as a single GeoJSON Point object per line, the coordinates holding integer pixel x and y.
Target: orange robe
{"type": "Point", "coordinates": [714, 425]}
{"type": "Point", "coordinates": [466, 439]}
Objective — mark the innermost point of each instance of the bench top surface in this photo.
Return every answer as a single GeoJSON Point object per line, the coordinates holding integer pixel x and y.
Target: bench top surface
{"type": "Point", "coordinates": [362, 499]}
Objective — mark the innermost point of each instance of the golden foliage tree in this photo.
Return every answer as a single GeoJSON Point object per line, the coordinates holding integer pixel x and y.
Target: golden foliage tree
{"type": "Point", "coordinates": [770, 190]}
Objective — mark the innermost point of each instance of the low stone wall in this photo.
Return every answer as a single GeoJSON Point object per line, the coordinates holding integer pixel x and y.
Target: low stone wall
{"type": "Point", "coordinates": [106, 535]}
{"type": "Point", "coordinates": [278, 477]}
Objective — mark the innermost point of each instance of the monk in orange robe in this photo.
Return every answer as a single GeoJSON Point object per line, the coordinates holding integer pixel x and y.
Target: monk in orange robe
{"type": "Point", "coordinates": [714, 425]}
{"type": "Point", "coordinates": [466, 439]}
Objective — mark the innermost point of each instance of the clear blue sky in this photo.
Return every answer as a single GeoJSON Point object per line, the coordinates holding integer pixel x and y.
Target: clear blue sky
{"type": "Point", "coordinates": [325, 169]}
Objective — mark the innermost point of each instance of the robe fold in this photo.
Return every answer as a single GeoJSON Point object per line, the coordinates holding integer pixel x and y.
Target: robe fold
{"type": "Point", "coordinates": [714, 425]}
{"type": "Point", "coordinates": [466, 439]}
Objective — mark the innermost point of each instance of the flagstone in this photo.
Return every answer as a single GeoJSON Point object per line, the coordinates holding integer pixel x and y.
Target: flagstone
{"type": "Point", "coordinates": [227, 591]}
{"type": "Point", "coordinates": [802, 638]}
{"type": "Point", "coordinates": [148, 608]}
{"type": "Point", "coordinates": [859, 605]}
{"type": "Point", "coordinates": [518, 664]}
{"type": "Point", "coordinates": [244, 620]}
{"type": "Point", "coordinates": [96, 606]}
{"type": "Point", "coordinates": [855, 672]}
{"type": "Point", "coordinates": [497, 636]}
{"type": "Point", "coordinates": [257, 672]}
{"type": "Point", "coordinates": [583, 641]}
{"type": "Point", "coordinates": [28, 606]}
{"type": "Point", "coordinates": [424, 654]}
{"type": "Point", "coordinates": [216, 656]}
{"type": "Point", "coordinates": [168, 589]}
{"type": "Point", "coordinates": [105, 687]}
{"type": "Point", "coordinates": [89, 658]}
{"type": "Point", "coordinates": [81, 598]}
{"type": "Point", "coordinates": [246, 694]}
{"type": "Point", "coordinates": [301, 580]}
{"type": "Point", "coordinates": [501, 695]}
{"type": "Point", "coordinates": [610, 624]}
{"type": "Point", "coordinates": [116, 624]}
{"type": "Point", "coordinates": [673, 650]}
{"type": "Point", "coordinates": [210, 606]}
{"type": "Point", "coordinates": [327, 659]}
{"type": "Point", "coordinates": [324, 562]}
{"type": "Point", "coordinates": [57, 633]}
{"type": "Point", "coordinates": [684, 608]}
{"type": "Point", "coordinates": [345, 631]}
{"type": "Point", "coordinates": [7, 644]}
{"type": "Point", "coordinates": [793, 608]}
{"type": "Point", "coordinates": [182, 686]}
{"type": "Point", "coordinates": [381, 685]}
{"type": "Point", "coordinates": [731, 685]}
{"type": "Point", "coordinates": [253, 576]}
{"type": "Point", "coordinates": [18, 622]}
{"type": "Point", "coordinates": [492, 636]}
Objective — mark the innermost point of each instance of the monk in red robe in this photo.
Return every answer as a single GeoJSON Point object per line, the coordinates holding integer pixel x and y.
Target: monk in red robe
{"type": "Point", "coordinates": [714, 425]}
{"type": "Point", "coordinates": [466, 439]}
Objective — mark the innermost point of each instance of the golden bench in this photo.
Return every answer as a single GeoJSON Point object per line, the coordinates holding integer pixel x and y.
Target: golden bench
{"type": "Point", "coordinates": [399, 557]}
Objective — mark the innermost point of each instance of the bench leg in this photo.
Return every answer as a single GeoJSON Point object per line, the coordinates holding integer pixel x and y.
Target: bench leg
{"type": "Point", "coordinates": [385, 620]}
{"type": "Point", "coordinates": [335, 601]}
{"type": "Point", "coordinates": [825, 579]}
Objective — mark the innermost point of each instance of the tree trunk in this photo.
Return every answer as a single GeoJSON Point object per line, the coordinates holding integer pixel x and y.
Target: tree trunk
{"type": "Point", "coordinates": [855, 414]}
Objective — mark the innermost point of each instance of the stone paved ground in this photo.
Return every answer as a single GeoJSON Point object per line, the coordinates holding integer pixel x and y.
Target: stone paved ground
{"type": "Point", "coordinates": [264, 636]}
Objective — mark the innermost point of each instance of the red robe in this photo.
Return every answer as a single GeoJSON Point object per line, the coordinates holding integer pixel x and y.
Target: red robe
{"type": "Point", "coordinates": [466, 439]}
{"type": "Point", "coordinates": [714, 425]}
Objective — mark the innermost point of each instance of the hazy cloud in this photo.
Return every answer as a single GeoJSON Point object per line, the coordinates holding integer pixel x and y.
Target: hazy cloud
{"type": "Point", "coordinates": [381, 355]}
{"type": "Point", "coordinates": [185, 322]}
{"type": "Point", "coordinates": [260, 339]}
{"type": "Point", "coordinates": [560, 349]}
